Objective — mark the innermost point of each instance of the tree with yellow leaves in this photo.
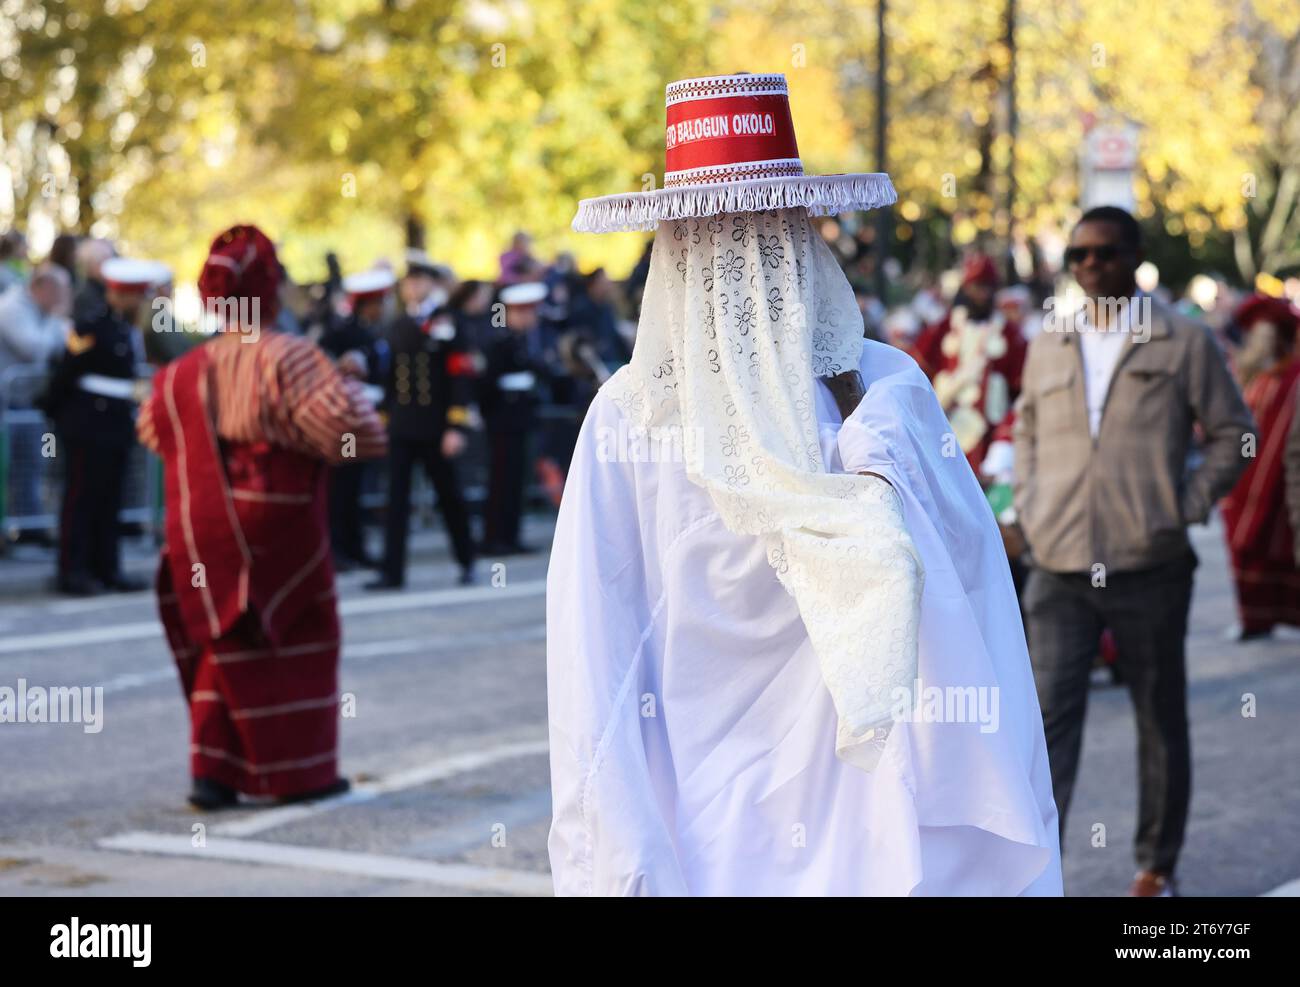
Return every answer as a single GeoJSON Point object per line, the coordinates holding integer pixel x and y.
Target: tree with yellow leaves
{"type": "Point", "coordinates": [373, 123]}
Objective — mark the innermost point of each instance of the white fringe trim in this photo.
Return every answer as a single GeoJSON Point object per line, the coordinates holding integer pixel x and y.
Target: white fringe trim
{"type": "Point", "coordinates": [821, 195]}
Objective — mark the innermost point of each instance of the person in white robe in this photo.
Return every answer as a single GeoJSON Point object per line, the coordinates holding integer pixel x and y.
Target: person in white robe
{"type": "Point", "coordinates": [784, 653]}
{"type": "Point", "coordinates": [696, 744]}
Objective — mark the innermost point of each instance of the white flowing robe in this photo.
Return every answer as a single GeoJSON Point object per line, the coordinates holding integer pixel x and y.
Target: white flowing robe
{"type": "Point", "coordinates": [692, 736]}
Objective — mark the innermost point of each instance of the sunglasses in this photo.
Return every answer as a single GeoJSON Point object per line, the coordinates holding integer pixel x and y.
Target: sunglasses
{"type": "Point", "coordinates": [1105, 253]}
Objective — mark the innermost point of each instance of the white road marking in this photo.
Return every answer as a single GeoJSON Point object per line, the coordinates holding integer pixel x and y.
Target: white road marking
{"type": "Point", "coordinates": [143, 630]}
{"type": "Point", "coordinates": [226, 840]}
{"type": "Point", "coordinates": [62, 608]}
{"type": "Point", "coordinates": [474, 833]}
{"type": "Point", "coordinates": [489, 879]}
{"type": "Point", "coordinates": [90, 635]}
{"type": "Point", "coordinates": [417, 645]}
{"type": "Point", "coordinates": [385, 602]}
{"type": "Point", "coordinates": [353, 653]}
{"type": "Point", "coordinates": [135, 680]}
{"type": "Point", "coordinates": [260, 821]}
{"type": "Point", "coordinates": [1291, 889]}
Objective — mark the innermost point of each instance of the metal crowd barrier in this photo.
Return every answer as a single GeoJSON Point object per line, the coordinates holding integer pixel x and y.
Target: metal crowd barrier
{"type": "Point", "coordinates": [31, 482]}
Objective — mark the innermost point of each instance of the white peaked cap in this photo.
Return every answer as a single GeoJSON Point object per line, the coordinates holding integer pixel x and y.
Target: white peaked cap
{"type": "Point", "coordinates": [369, 282]}
{"type": "Point", "coordinates": [128, 272]}
{"type": "Point", "coordinates": [527, 293]}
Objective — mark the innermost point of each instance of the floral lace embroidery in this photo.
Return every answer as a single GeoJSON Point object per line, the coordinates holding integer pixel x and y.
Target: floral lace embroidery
{"type": "Point", "coordinates": [739, 315]}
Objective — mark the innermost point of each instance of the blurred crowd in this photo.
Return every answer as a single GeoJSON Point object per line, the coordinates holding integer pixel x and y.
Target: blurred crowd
{"type": "Point", "coordinates": [507, 365]}
{"type": "Point", "coordinates": [511, 364]}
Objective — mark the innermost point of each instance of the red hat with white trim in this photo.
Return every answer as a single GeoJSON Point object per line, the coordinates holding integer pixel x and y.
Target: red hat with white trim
{"type": "Point", "coordinates": [980, 269]}
{"type": "Point", "coordinates": [128, 274]}
{"type": "Point", "coordinates": [368, 284]}
{"type": "Point", "coordinates": [1258, 308]}
{"type": "Point", "coordinates": [731, 148]}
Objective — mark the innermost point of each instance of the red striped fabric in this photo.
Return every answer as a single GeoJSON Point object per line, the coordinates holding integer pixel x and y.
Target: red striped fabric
{"type": "Point", "coordinates": [284, 390]}
{"type": "Point", "coordinates": [1255, 513]}
{"type": "Point", "coordinates": [246, 585]}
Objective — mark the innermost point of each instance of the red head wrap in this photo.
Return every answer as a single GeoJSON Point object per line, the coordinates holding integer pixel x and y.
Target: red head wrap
{"type": "Point", "coordinates": [1263, 308]}
{"type": "Point", "coordinates": [242, 264]}
{"type": "Point", "coordinates": [979, 268]}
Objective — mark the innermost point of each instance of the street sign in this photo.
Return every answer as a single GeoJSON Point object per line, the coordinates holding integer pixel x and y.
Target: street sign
{"type": "Point", "coordinates": [1107, 160]}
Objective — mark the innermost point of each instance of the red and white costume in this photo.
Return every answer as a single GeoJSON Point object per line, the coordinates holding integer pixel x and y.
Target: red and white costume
{"type": "Point", "coordinates": [975, 366]}
{"type": "Point", "coordinates": [246, 425]}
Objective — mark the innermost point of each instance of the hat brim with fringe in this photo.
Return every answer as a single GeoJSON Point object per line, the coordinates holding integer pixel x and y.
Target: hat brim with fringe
{"type": "Point", "coordinates": [731, 147]}
{"type": "Point", "coordinates": [821, 195]}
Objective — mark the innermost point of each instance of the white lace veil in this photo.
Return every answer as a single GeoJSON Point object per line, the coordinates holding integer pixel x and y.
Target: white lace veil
{"type": "Point", "coordinates": [740, 312]}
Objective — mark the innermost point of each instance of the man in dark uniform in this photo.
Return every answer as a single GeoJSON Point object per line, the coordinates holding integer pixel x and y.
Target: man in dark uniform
{"type": "Point", "coordinates": [90, 299]}
{"type": "Point", "coordinates": [91, 402]}
{"type": "Point", "coordinates": [362, 352]}
{"type": "Point", "coordinates": [509, 399]}
{"type": "Point", "coordinates": [430, 407]}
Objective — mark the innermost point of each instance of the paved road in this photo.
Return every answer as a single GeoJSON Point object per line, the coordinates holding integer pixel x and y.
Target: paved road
{"type": "Point", "coordinates": [448, 749]}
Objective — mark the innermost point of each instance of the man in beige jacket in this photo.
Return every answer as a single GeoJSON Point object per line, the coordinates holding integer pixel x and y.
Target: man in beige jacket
{"type": "Point", "coordinates": [1104, 496]}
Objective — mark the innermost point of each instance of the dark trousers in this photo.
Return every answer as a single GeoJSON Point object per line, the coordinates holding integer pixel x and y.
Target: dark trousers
{"type": "Point", "coordinates": [507, 473]}
{"type": "Point", "coordinates": [347, 535]}
{"type": "Point", "coordinates": [1146, 612]}
{"type": "Point", "coordinates": [92, 498]}
{"type": "Point", "coordinates": [403, 454]}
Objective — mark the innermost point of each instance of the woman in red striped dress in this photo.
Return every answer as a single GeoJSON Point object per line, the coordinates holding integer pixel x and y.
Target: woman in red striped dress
{"type": "Point", "coordinates": [246, 425]}
{"type": "Point", "coordinates": [1255, 514]}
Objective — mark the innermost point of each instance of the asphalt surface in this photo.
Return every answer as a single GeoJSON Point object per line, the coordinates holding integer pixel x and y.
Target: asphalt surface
{"type": "Point", "coordinates": [447, 750]}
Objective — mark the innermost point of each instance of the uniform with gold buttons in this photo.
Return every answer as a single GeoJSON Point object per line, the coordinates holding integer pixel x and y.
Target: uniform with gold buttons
{"type": "Point", "coordinates": [430, 392]}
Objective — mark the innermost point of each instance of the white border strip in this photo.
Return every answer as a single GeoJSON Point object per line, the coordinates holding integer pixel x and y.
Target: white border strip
{"type": "Point", "coordinates": [759, 84]}
{"type": "Point", "coordinates": [726, 168]}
